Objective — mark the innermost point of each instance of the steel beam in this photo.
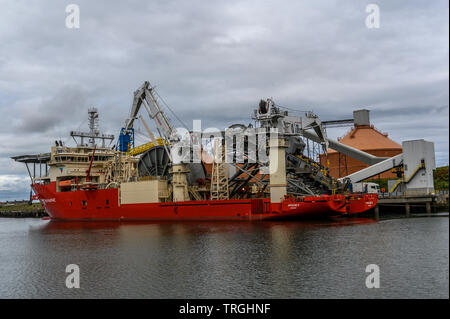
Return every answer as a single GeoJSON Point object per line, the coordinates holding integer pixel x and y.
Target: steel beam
{"type": "Point", "coordinates": [346, 150]}
{"type": "Point", "coordinates": [375, 169]}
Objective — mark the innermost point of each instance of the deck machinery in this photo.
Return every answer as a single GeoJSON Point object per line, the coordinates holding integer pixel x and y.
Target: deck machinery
{"type": "Point", "coordinates": [304, 175]}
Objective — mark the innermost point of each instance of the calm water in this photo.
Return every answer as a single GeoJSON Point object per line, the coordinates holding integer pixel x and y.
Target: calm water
{"type": "Point", "coordinates": [226, 260]}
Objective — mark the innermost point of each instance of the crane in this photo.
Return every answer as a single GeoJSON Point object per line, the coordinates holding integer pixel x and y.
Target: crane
{"type": "Point", "coordinates": [270, 116]}
{"type": "Point", "coordinates": [145, 96]}
{"type": "Point", "coordinates": [172, 142]}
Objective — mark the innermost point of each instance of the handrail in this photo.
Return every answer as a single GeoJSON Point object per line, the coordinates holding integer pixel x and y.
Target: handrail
{"type": "Point", "coordinates": [144, 147]}
{"type": "Point", "coordinates": [403, 180]}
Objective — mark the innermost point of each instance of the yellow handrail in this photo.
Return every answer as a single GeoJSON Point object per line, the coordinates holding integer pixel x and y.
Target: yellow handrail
{"type": "Point", "coordinates": [144, 147]}
{"type": "Point", "coordinates": [403, 180]}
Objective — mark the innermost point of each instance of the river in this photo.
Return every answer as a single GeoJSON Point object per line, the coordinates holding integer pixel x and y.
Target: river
{"type": "Point", "coordinates": [323, 259]}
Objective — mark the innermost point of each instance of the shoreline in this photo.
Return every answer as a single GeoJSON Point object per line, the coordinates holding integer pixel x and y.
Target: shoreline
{"type": "Point", "coordinates": [22, 214]}
{"type": "Point", "coordinates": [22, 209]}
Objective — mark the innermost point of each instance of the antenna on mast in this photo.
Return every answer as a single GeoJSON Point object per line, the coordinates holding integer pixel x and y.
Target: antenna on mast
{"type": "Point", "coordinates": [94, 132]}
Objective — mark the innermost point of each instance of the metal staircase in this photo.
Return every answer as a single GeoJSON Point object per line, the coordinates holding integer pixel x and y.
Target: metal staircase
{"type": "Point", "coordinates": [410, 177]}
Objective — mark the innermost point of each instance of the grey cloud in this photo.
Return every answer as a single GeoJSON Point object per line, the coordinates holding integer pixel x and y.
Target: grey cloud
{"type": "Point", "coordinates": [58, 110]}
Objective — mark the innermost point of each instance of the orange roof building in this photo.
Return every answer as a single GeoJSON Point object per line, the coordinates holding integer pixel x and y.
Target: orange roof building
{"type": "Point", "coordinates": [364, 137]}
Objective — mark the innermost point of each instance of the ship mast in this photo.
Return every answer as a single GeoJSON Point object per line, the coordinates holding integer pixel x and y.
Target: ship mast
{"type": "Point", "coordinates": [93, 126]}
{"type": "Point", "coordinates": [94, 132]}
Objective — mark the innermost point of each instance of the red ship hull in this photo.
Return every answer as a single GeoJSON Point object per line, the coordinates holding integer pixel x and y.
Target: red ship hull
{"type": "Point", "coordinates": [103, 204]}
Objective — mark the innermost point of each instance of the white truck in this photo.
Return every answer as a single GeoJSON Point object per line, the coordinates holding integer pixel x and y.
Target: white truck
{"type": "Point", "coordinates": [370, 188]}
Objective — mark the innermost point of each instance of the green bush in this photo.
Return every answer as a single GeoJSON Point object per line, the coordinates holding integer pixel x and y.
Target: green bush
{"type": "Point", "coordinates": [441, 178]}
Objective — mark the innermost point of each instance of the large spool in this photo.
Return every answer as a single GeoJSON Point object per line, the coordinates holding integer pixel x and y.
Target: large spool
{"type": "Point", "coordinates": [156, 162]}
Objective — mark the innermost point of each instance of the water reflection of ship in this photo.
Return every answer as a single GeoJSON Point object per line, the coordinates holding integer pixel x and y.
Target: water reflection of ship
{"type": "Point", "coordinates": [207, 257]}
{"type": "Point", "coordinates": [186, 227]}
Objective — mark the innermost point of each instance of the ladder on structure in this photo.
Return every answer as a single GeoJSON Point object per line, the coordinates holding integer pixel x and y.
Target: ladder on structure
{"type": "Point", "coordinates": [219, 175]}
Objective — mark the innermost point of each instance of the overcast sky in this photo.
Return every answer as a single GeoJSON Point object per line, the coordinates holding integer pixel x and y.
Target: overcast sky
{"type": "Point", "coordinates": [214, 60]}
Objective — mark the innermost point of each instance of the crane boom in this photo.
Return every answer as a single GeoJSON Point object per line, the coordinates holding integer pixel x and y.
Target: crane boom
{"type": "Point", "coordinates": [144, 96]}
{"type": "Point", "coordinates": [155, 113]}
{"type": "Point", "coordinates": [137, 101]}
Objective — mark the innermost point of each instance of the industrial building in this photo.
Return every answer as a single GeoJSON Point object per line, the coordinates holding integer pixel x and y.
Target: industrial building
{"type": "Point", "coordinates": [365, 137]}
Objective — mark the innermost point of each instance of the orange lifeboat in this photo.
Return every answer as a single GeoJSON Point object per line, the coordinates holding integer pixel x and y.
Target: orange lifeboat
{"type": "Point", "coordinates": [65, 183]}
